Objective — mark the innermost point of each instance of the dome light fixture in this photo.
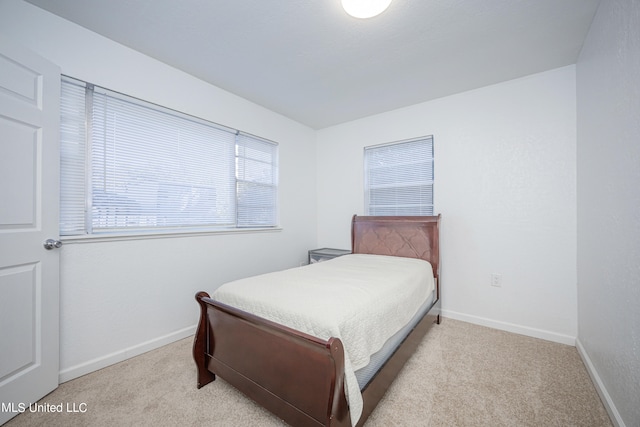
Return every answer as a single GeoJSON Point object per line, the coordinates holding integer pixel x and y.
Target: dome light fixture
{"type": "Point", "coordinates": [365, 8]}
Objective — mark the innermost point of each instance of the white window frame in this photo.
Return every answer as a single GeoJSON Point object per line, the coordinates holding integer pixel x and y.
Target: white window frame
{"type": "Point", "coordinates": [399, 178]}
{"type": "Point", "coordinates": [191, 193]}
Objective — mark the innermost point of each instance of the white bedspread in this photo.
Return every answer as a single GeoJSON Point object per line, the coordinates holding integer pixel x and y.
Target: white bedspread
{"type": "Point", "coordinates": [360, 299]}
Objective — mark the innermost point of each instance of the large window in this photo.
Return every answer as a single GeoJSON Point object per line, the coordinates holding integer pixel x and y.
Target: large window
{"type": "Point", "coordinates": [399, 178]}
{"type": "Point", "coordinates": [131, 166]}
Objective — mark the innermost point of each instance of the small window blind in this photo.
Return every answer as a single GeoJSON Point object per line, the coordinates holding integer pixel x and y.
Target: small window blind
{"type": "Point", "coordinates": [399, 178]}
{"type": "Point", "coordinates": [256, 181]}
{"type": "Point", "coordinates": [130, 165]}
{"type": "Point", "coordinates": [73, 155]}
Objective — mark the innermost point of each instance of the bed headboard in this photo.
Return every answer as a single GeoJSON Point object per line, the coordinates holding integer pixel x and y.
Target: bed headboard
{"type": "Point", "coordinates": [405, 236]}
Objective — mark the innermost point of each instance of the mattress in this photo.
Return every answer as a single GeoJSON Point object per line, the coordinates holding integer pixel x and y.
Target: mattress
{"type": "Point", "coordinates": [378, 359]}
{"type": "Point", "coordinates": [361, 299]}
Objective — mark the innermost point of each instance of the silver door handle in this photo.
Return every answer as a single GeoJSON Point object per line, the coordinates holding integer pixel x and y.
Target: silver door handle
{"type": "Point", "coordinates": [52, 244]}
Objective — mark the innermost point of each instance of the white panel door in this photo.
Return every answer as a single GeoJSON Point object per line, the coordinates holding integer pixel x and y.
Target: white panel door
{"type": "Point", "coordinates": [29, 199]}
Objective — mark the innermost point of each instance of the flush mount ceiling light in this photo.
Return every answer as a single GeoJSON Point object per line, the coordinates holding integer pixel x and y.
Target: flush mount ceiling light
{"type": "Point", "coordinates": [365, 8]}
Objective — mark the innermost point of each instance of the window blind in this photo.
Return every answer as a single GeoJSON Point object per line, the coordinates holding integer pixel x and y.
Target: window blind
{"type": "Point", "coordinates": [399, 178]}
{"type": "Point", "coordinates": [256, 181]}
{"type": "Point", "coordinates": [138, 166]}
{"type": "Point", "coordinates": [73, 154]}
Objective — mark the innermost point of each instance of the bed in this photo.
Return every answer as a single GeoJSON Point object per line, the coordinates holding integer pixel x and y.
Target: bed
{"type": "Point", "coordinates": [301, 378]}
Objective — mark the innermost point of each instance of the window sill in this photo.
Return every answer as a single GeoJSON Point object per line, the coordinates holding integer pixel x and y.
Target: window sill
{"type": "Point", "coordinates": [137, 235]}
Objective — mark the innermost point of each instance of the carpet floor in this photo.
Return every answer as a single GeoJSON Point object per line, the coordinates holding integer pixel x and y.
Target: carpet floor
{"type": "Point", "coordinates": [461, 375]}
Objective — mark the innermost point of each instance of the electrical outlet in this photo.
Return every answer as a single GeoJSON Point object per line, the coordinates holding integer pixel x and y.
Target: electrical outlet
{"type": "Point", "coordinates": [496, 280]}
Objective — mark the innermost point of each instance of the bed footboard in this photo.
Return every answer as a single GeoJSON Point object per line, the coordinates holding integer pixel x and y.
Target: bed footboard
{"type": "Point", "coordinates": [296, 376]}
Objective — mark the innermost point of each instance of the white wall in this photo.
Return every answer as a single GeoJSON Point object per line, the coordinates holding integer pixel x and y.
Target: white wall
{"type": "Point", "coordinates": [608, 161]}
{"type": "Point", "coordinates": [505, 184]}
{"type": "Point", "coordinates": [121, 298]}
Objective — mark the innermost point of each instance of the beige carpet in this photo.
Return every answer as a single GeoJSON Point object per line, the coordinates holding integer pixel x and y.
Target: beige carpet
{"type": "Point", "coordinates": [461, 375]}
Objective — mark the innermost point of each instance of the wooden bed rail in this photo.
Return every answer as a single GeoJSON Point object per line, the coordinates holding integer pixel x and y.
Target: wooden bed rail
{"type": "Point", "coordinates": [299, 378]}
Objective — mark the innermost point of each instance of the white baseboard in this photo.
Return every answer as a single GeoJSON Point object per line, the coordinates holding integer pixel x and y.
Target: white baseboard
{"type": "Point", "coordinates": [119, 356]}
{"type": "Point", "coordinates": [510, 327]}
{"type": "Point", "coordinates": [616, 419]}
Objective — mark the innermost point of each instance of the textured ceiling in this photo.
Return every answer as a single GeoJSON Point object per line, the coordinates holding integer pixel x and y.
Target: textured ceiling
{"type": "Point", "coordinates": [310, 61]}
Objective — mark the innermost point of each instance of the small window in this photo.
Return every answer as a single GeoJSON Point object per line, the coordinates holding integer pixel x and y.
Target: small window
{"type": "Point", "coordinates": [399, 178]}
{"type": "Point", "coordinates": [131, 166]}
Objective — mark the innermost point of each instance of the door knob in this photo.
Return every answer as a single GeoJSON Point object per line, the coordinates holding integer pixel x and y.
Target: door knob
{"type": "Point", "coordinates": [52, 244]}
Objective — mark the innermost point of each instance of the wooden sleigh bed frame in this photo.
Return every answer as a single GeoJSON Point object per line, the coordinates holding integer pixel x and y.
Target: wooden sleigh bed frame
{"type": "Point", "coordinates": [298, 377]}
